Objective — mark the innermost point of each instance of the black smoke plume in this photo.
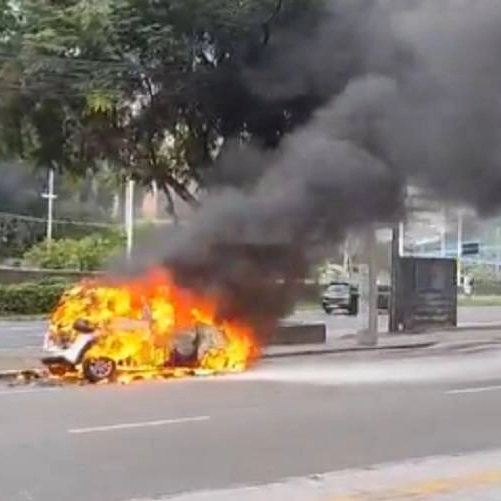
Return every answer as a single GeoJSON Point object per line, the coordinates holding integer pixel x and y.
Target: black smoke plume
{"type": "Point", "coordinates": [411, 93]}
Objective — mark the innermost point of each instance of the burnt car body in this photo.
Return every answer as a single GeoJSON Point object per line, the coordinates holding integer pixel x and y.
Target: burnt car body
{"type": "Point", "coordinates": [185, 350]}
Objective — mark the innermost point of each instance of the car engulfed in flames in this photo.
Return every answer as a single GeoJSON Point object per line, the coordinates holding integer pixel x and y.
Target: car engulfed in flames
{"type": "Point", "coordinates": [102, 331]}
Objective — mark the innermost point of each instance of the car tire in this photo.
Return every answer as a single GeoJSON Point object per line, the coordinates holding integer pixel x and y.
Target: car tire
{"type": "Point", "coordinates": [328, 310]}
{"type": "Point", "coordinates": [98, 369]}
{"type": "Point", "coordinates": [353, 307]}
{"type": "Point", "coordinates": [57, 370]}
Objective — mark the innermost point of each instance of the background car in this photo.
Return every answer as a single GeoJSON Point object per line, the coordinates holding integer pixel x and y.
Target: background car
{"type": "Point", "coordinates": [341, 296]}
{"type": "Point", "coordinates": [345, 297]}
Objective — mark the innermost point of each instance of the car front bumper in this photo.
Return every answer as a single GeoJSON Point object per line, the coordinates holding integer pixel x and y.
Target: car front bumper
{"type": "Point", "coordinates": [68, 356]}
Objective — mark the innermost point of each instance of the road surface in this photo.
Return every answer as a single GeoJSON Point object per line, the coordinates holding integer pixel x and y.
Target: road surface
{"type": "Point", "coordinates": [15, 334]}
{"type": "Point", "coordinates": [285, 418]}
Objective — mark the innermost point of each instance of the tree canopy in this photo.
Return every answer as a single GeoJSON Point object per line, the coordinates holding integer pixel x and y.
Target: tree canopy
{"type": "Point", "coordinates": [152, 87]}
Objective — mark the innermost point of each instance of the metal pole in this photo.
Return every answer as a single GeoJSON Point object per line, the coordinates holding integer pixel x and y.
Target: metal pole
{"type": "Point", "coordinates": [401, 238]}
{"type": "Point", "coordinates": [369, 335]}
{"type": "Point", "coordinates": [498, 253]}
{"type": "Point", "coordinates": [129, 215]}
{"type": "Point", "coordinates": [373, 273]}
{"type": "Point", "coordinates": [155, 199]}
{"type": "Point", "coordinates": [346, 259]}
{"type": "Point", "coordinates": [443, 227]}
{"type": "Point", "coordinates": [459, 246]}
{"type": "Point", "coordinates": [395, 257]}
{"type": "Point", "coordinates": [50, 196]}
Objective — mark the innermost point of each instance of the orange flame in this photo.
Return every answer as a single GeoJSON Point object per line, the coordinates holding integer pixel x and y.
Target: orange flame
{"type": "Point", "coordinates": [140, 323]}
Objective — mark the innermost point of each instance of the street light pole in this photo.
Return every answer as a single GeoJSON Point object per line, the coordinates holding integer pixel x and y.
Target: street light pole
{"type": "Point", "coordinates": [459, 247]}
{"type": "Point", "coordinates": [368, 335]}
{"type": "Point", "coordinates": [373, 273]}
{"type": "Point", "coordinates": [498, 253]}
{"type": "Point", "coordinates": [443, 234]}
{"type": "Point", "coordinates": [401, 238]}
{"type": "Point", "coordinates": [129, 215]}
{"type": "Point", "coordinates": [50, 196]}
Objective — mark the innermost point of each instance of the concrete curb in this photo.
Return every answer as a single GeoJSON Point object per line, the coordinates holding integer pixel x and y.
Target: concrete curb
{"type": "Point", "coordinates": [476, 327]}
{"type": "Point", "coordinates": [349, 349]}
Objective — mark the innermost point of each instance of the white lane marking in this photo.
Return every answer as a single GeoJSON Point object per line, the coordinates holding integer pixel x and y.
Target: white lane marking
{"type": "Point", "coordinates": [478, 389]}
{"type": "Point", "coordinates": [20, 348]}
{"type": "Point", "coordinates": [20, 392]}
{"type": "Point", "coordinates": [20, 328]}
{"type": "Point", "coordinates": [144, 424]}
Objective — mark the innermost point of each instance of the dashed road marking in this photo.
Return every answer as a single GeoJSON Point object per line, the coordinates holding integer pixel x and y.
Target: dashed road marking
{"type": "Point", "coordinates": [143, 424]}
{"type": "Point", "coordinates": [473, 389]}
{"type": "Point", "coordinates": [21, 348]}
{"type": "Point", "coordinates": [6, 393]}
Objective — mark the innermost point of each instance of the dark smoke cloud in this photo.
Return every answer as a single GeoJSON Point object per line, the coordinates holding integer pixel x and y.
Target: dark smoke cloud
{"type": "Point", "coordinates": [438, 122]}
{"type": "Point", "coordinates": [412, 95]}
{"type": "Point", "coordinates": [20, 190]}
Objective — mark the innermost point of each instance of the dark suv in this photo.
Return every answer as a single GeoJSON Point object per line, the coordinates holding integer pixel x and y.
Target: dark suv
{"type": "Point", "coordinates": [340, 296]}
{"type": "Point", "coordinates": [345, 296]}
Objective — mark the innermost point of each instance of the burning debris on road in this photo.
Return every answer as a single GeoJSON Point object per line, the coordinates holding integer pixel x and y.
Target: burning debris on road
{"type": "Point", "coordinates": [108, 330]}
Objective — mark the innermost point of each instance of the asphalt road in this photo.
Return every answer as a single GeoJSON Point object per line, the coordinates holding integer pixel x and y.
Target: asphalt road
{"type": "Point", "coordinates": [15, 334]}
{"type": "Point", "coordinates": [21, 334]}
{"type": "Point", "coordinates": [284, 418]}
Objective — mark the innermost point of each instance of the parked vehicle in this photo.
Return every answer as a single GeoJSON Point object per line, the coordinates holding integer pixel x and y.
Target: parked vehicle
{"type": "Point", "coordinates": [341, 296]}
{"type": "Point", "coordinates": [345, 297]}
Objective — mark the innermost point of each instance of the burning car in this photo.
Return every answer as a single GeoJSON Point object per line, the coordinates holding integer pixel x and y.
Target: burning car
{"type": "Point", "coordinates": [100, 331]}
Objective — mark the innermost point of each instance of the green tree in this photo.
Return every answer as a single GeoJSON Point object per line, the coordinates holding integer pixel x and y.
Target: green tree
{"type": "Point", "coordinates": [151, 87]}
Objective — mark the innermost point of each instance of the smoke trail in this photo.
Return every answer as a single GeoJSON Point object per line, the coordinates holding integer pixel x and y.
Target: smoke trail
{"type": "Point", "coordinates": [411, 93]}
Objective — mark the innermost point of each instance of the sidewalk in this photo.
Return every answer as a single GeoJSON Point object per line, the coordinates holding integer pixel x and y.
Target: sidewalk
{"type": "Point", "coordinates": [434, 342]}
{"type": "Point", "coordinates": [471, 477]}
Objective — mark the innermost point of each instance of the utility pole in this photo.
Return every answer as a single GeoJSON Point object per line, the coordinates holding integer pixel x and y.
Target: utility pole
{"type": "Point", "coordinates": [373, 293]}
{"type": "Point", "coordinates": [129, 215]}
{"type": "Point", "coordinates": [154, 187]}
{"type": "Point", "coordinates": [443, 230]}
{"type": "Point", "coordinates": [396, 253]}
{"type": "Point", "coordinates": [346, 257]}
{"type": "Point", "coordinates": [50, 197]}
{"type": "Point", "coordinates": [459, 247]}
{"type": "Point", "coordinates": [401, 238]}
{"type": "Point", "coordinates": [498, 253]}
{"type": "Point", "coordinates": [368, 334]}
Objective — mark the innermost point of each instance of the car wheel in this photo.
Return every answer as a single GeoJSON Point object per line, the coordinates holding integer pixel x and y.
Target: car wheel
{"type": "Point", "coordinates": [57, 370]}
{"type": "Point", "coordinates": [353, 307]}
{"type": "Point", "coordinates": [98, 369]}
